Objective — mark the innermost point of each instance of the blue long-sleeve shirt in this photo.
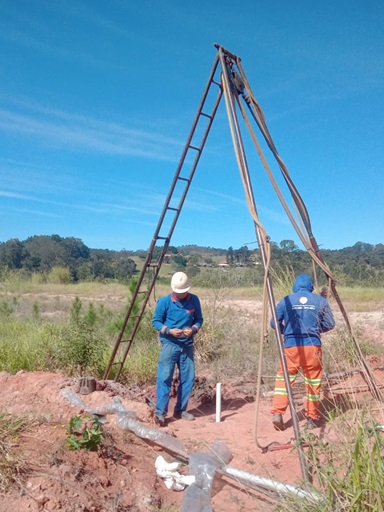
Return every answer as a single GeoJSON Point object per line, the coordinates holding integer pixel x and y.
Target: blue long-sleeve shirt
{"type": "Point", "coordinates": [172, 313]}
{"type": "Point", "coordinates": [303, 315]}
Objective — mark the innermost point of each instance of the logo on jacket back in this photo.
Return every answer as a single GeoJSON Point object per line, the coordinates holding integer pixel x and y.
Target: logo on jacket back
{"type": "Point", "coordinates": [303, 304]}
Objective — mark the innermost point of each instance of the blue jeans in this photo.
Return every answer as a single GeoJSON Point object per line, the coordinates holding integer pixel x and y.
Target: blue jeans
{"type": "Point", "coordinates": [171, 355]}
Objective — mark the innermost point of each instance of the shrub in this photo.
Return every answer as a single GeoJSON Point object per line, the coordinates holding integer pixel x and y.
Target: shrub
{"type": "Point", "coordinates": [79, 349]}
{"type": "Point", "coordinates": [59, 275]}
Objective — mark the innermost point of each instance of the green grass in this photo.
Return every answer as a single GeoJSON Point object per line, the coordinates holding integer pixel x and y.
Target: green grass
{"type": "Point", "coordinates": [24, 346]}
{"type": "Point", "coordinates": [362, 293]}
{"type": "Point", "coordinates": [362, 299]}
{"type": "Point", "coordinates": [140, 367]}
{"type": "Point", "coordinates": [347, 472]}
{"type": "Point", "coordinates": [165, 270]}
{"type": "Point", "coordinates": [23, 286]}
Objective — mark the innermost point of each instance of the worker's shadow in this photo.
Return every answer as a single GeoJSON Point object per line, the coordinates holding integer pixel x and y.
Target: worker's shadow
{"type": "Point", "coordinates": [229, 407]}
{"type": "Point", "coordinates": [205, 396]}
{"type": "Point", "coordinates": [220, 483]}
{"type": "Point", "coordinates": [331, 406]}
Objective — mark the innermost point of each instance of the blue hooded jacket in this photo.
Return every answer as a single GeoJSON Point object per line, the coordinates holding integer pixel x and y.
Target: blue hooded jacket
{"type": "Point", "coordinates": [303, 315]}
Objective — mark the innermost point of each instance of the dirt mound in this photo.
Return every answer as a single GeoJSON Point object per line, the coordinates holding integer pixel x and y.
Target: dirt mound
{"type": "Point", "coordinates": [121, 476]}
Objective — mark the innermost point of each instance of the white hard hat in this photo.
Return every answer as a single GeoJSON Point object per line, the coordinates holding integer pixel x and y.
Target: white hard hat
{"type": "Point", "coordinates": [180, 282]}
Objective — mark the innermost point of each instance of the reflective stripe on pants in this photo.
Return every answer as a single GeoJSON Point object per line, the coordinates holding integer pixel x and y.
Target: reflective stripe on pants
{"type": "Point", "coordinates": [308, 358]}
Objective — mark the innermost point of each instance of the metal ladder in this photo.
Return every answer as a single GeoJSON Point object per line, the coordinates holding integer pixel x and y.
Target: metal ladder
{"type": "Point", "coordinates": [170, 214]}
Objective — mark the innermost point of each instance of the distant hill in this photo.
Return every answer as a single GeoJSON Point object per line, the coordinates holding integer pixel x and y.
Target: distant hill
{"type": "Point", "coordinates": [360, 263]}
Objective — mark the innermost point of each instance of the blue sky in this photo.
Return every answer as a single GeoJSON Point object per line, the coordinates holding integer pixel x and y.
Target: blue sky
{"type": "Point", "coordinates": [97, 99]}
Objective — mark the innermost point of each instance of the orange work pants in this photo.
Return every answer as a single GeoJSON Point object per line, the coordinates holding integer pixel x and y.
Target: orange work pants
{"type": "Point", "coordinates": [308, 358]}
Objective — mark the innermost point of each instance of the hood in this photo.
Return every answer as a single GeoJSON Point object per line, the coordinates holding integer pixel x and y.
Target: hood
{"type": "Point", "coordinates": [303, 282]}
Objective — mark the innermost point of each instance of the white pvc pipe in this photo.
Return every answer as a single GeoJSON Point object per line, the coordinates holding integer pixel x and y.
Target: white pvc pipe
{"type": "Point", "coordinates": [218, 402]}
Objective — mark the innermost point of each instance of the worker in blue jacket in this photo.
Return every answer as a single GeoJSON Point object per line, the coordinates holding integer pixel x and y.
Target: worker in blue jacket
{"type": "Point", "coordinates": [177, 318]}
{"type": "Point", "coordinates": [303, 316]}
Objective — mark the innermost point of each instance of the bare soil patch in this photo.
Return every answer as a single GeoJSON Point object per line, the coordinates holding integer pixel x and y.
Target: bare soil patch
{"type": "Point", "coordinates": [122, 475]}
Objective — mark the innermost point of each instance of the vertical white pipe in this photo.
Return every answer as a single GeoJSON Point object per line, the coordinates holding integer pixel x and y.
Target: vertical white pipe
{"type": "Point", "coordinates": [218, 402]}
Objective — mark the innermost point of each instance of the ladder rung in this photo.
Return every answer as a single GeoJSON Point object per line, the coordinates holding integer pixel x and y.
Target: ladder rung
{"type": "Point", "coordinates": [173, 208]}
{"type": "Point", "coordinates": [162, 237]}
{"type": "Point", "coordinates": [193, 147]}
{"type": "Point", "coordinates": [206, 115]}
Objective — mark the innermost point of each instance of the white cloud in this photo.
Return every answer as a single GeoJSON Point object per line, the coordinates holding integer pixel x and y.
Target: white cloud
{"type": "Point", "coordinates": [65, 130]}
{"type": "Point", "coordinates": [16, 195]}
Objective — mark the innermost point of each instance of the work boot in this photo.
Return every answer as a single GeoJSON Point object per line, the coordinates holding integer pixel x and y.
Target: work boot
{"type": "Point", "coordinates": [161, 420]}
{"type": "Point", "coordinates": [184, 415]}
{"type": "Point", "coordinates": [311, 424]}
{"type": "Point", "coordinates": [278, 422]}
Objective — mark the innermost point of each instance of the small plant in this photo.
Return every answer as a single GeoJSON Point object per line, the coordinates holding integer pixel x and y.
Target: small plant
{"type": "Point", "coordinates": [250, 460]}
{"type": "Point", "coordinates": [36, 311]}
{"type": "Point", "coordinates": [75, 310]}
{"type": "Point", "coordinates": [84, 432]}
{"type": "Point", "coordinates": [91, 316]}
{"type": "Point", "coordinates": [8, 307]}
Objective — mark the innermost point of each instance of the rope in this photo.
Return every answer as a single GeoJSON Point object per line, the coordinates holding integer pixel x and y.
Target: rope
{"type": "Point", "coordinates": [236, 137]}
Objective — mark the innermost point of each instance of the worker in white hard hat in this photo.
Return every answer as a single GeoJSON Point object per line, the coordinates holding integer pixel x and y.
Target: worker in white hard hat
{"type": "Point", "coordinates": [177, 318]}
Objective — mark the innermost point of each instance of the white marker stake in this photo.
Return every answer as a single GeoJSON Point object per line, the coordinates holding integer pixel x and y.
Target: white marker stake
{"type": "Point", "coordinates": [218, 402]}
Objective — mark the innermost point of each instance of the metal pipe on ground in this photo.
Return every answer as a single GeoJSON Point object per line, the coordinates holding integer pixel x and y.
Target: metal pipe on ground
{"type": "Point", "coordinates": [280, 488]}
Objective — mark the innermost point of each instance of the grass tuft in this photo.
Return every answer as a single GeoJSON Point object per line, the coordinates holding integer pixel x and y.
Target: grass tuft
{"type": "Point", "coordinates": [12, 463]}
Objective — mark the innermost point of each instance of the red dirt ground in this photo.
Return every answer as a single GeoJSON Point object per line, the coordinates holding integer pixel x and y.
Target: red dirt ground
{"type": "Point", "coordinates": [122, 476]}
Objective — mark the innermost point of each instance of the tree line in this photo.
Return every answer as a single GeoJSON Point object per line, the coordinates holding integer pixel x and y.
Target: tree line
{"type": "Point", "coordinates": [361, 263]}
{"type": "Point", "coordinates": [44, 253]}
